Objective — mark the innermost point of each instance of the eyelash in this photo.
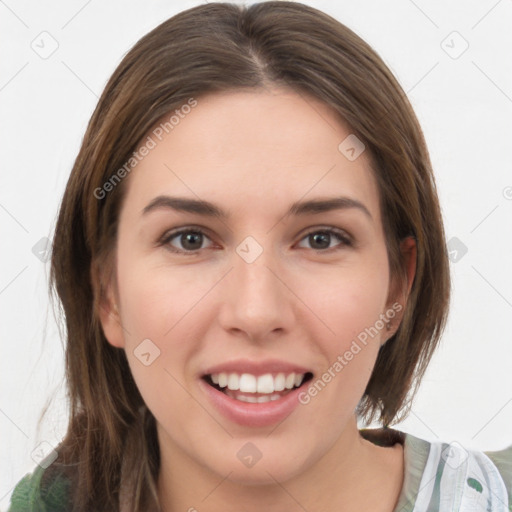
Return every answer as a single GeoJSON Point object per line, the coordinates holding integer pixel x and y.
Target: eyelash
{"type": "Point", "coordinates": [345, 240]}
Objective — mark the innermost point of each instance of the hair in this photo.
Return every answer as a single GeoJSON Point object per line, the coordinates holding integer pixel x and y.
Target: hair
{"type": "Point", "coordinates": [212, 48]}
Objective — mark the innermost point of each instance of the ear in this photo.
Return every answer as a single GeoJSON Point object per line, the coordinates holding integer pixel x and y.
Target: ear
{"type": "Point", "coordinates": [400, 290]}
{"type": "Point", "coordinates": [106, 306]}
{"type": "Point", "coordinates": [409, 253]}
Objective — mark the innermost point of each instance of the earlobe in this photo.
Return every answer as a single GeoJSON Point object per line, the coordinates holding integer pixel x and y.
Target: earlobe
{"type": "Point", "coordinates": [409, 254]}
{"type": "Point", "coordinates": [110, 320]}
{"type": "Point", "coordinates": [400, 290]}
{"type": "Point", "coordinates": [107, 309]}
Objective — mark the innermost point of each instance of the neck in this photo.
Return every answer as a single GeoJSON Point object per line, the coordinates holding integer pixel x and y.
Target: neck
{"type": "Point", "coordinates": [353, 475]}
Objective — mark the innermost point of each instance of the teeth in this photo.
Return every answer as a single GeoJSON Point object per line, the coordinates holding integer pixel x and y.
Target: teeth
{"type": "Point", "coordinates": [233, 382]}
{"type": "Point", "coordinates": [245, 398]}
{"type": "Point", "coordinates": [222, 379]}
{"type": "Point", "coordinates": [257, 400]}
{"type": "Point", "coordinates": [265, 384]}
{"type": "Point", "coordinates": [279, 382]}
{"type": "Point", "coordinates": [290, 381]}
{"type": "Point", "coordinates": [247, 383]}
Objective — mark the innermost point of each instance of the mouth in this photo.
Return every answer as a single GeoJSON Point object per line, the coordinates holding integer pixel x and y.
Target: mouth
{"type": "Point", "coordinates": [257, 389]}
{"type": "Point", "coordinates": [254, 393]}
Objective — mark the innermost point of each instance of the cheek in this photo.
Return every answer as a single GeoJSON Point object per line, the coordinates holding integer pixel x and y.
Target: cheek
{"type": "Point", "coordinates": [161, 330]}
{"type": "Point", "coordinates": [349, 300]}
{"type": "Point", "coordinates": [161, 333]}
{"type": "Point", "coordinates": [155, 300]}
{"type": "Point", "coordinates": [350, 304]}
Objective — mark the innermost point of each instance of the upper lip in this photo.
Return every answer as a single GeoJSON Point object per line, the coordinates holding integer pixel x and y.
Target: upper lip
{"type": "Point", "coordinates": [255, 367]}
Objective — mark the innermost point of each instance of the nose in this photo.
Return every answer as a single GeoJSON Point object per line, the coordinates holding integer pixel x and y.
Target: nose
{"type": "Point", "coordinates": [257, 302]}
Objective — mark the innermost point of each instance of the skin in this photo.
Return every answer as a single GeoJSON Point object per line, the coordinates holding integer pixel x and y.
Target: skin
{"type": "Point", "coordinates": [254, 153]}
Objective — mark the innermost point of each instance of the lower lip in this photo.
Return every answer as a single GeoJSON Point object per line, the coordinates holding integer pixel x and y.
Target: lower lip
{"type": "Point", "coordinates": [249, 414]}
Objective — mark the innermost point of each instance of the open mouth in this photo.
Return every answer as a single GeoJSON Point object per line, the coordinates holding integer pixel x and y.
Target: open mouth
{"type": "Point", "coordinates": [257, 389]}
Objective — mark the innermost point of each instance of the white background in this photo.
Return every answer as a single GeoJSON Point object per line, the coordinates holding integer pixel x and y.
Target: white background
{"type": "Point", "coordinates": [464, 105]}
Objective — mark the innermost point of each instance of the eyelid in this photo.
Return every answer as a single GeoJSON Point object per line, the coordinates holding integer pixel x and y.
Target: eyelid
{"type": "Point", "coordinates": [346, 240]}
{"type": "Point", "coordinates": [173, 233]}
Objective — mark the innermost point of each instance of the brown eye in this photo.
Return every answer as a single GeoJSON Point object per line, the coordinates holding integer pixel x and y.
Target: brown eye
{"type": "Point", "coordinates": [185, 240]}
{"type": "Point", "coordinates": [320, 240]}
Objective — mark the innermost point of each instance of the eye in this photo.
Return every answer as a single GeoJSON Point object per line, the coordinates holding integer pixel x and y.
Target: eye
{"type": "Point", "coordinates": [188, 240]}
{"type": "Point", "coordinates": [321, 239]}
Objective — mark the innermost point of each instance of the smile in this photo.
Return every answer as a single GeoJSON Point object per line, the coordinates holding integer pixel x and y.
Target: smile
{"type": "Point", "coordinates": [254, 394]}
{"type": "Point", "coordinates": [250, 388]}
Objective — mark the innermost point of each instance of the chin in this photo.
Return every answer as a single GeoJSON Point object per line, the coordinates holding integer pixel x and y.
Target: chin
{"type": "Point", "coordinates": [263, 473]}
{"type": "Point", "coordinates": [259, 461]}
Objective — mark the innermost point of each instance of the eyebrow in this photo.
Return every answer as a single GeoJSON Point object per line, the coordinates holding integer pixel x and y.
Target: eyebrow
{"type": "Point", "coordinates": [207, 209]}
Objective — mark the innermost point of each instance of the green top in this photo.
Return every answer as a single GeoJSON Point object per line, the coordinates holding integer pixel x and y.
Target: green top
{"type": "Point", "coordinates": [30, 495]}
{"type": "Point", "coordinates": [438, 477]}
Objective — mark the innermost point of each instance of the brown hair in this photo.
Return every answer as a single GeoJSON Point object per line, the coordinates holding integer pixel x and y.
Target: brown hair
{"type": "Point", "coordinates": [222, 47]}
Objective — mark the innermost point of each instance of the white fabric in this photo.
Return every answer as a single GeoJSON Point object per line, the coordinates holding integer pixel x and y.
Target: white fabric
{"type": "Point", "coordinates": [460, 480]}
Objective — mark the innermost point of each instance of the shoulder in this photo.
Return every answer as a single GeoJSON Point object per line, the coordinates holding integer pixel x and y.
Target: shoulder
{"type": "Point", "coordinates": [42, 490]}
{"type": "Point", "coordinates": [444, 476]}
{"type": "Point", "coordinates": [502, 459]}
{"type": "Point", "coordinates": [448, 476]}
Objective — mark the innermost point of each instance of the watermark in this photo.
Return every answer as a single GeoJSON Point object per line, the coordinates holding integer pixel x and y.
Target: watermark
{"type": "Point", "coordinates": [45, 45]}
{"type": "Point", "coordinates": [249, 454]}
{"type": "Point", "coordinates": [454, 45]}
{"type": "Point", "coordinates": [147, 352]}
{"type": "Point", "coordinates": [42, 249]}
{"type": "Point", "coordinates": [249, 249]}
{"type": "Point", "coordinates": [144, 149]}
{"type": "Point", "coordinates": [343, 360]}
{"type": "Point", "coordinates": [454, 454]}
{"type": "Point", "coordinates": [351, 147]}
{"type": "Point", "coordinates": [44, 454]}
{"type": "Point", "coordinates": [456, 249]}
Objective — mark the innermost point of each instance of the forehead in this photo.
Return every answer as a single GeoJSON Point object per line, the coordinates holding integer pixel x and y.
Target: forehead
{"type": "Point", "coordinates": [253, 149]}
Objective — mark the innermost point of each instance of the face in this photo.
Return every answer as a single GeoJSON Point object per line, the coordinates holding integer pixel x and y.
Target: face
{"type": "Point", "coordinates": [251, 327]}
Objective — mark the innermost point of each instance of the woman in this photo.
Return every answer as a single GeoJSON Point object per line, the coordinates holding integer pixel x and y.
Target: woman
{"type": "Point", "coordinates": [251, 257]}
